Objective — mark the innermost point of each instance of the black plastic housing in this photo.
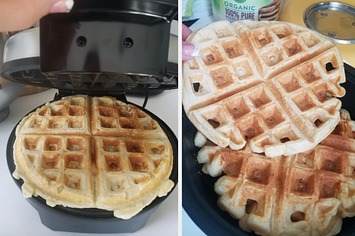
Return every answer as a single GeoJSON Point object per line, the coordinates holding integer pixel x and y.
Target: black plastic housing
{"type": "Point", "coordinates": [107, 46]}
{"type": "Point", "coordinates": [108, 41]}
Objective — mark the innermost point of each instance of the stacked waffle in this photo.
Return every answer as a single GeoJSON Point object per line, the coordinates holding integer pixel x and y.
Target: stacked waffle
{"type": "Point", "coordinates": [269, 85]}
{"type": "Point", "coordinates": [98, 152]}
{"type": "Point", "coordinates": [264, 94]}
{"type": "Point", "coordinates": [270, 12]}
{"type": "Point", "coordinates": [303, 194]}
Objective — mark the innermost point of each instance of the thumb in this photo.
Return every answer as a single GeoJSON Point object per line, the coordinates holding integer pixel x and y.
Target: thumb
{"type": "Point", "coordinates": [22, 14]}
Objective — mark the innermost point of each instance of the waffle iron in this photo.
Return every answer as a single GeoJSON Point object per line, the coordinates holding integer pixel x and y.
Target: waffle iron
{"type": "Point", "coordinates": [100, 48]}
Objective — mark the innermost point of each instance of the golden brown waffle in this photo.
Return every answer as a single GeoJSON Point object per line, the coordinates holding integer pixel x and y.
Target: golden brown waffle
{"type": "Point", "coordinates": [116, 118]}
{"type": "Point", "coordinates": [271, 85]}
{"type": "Point", "coordinates": [86, 152]}
{"type": "Point", "coordinates": [304, 194]}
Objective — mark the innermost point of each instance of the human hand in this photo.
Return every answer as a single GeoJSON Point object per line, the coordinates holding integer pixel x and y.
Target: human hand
{"type": "Point", "coordinates": [18, 15]}
{"type": "Point", "coordinates": [188, 50]}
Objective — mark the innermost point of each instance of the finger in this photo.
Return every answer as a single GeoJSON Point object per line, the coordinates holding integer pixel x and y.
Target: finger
{"type": "Point", "coordinates": [186, 58]}
{"type": "Point", "coordinates": [188, 51]}
{"type": "Point", "coordinates": [61, 6]}
{"type": "Point", "coordinates": [22, 14]}
{"type": "Point", "coordinates": [185, 32]}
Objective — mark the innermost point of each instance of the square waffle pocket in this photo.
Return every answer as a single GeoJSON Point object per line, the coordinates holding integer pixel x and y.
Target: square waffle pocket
{"type": "Point", "coordinates": [308, 193]}
{"type": "Point", "coordinates": [272, 86]}
{"type": "Point", "coordinates": [93, 152]}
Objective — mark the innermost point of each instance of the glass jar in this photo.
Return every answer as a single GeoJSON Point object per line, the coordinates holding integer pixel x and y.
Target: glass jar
{"type": "Point", "coordinates": [234, 10]}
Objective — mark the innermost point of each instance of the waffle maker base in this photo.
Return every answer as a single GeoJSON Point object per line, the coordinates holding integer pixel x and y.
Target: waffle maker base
{"type": "Point", "coordinates": [198, 196]}
{"type": "Point", "coordinates": [91, 220]}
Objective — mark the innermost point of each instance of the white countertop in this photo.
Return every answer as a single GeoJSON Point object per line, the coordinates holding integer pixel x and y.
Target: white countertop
{"type": "Point", "coordinates": [18, 217]}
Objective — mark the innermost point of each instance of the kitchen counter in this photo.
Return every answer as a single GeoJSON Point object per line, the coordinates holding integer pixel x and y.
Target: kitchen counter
{"type": "Point", "coordinates": [18, 217]}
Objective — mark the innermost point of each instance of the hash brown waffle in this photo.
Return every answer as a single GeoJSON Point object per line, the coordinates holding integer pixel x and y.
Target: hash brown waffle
{"type": "Point", "coordinates": [269, 85]}
{"type": "Point", "coordinates": [98, 152]}
{"type": "Point", "coordinates": [304, 194]}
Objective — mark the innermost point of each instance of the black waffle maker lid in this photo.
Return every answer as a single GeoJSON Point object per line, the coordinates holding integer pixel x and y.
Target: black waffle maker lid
{"type": "Point", "coordinates": [101, 47]}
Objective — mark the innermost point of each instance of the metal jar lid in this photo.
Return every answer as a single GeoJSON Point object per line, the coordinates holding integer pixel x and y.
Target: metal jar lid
{"type": "Point", "coordinates": [333, 19]}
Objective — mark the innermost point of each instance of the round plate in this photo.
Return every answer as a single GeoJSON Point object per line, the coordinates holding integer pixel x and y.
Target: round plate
{"type": "Point", "coordinates": [198, 196]}
{"type": "Point", "coordinates": [333, 19]}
